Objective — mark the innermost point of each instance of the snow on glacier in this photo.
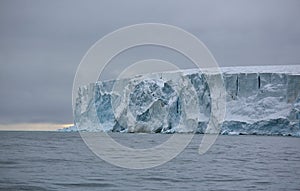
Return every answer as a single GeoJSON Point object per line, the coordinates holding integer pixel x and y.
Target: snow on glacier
{"type": "Point", "coordinates": [263, 100]}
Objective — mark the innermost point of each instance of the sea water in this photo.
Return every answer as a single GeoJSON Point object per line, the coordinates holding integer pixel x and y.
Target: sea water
{"type": "Point", "coordinates": [62, 161]}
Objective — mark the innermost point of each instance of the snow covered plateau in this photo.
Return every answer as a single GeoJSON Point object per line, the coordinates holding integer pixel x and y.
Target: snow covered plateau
{"type": "Point", "coordinates": [260, 100]}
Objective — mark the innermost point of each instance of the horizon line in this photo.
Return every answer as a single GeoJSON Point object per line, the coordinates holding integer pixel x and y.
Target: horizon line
{"type": "Point", "coordinates": [33, 126]}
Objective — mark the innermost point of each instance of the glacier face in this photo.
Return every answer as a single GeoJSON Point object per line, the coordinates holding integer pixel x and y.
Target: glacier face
{"type": "Point", "coordinates": [259, 100]}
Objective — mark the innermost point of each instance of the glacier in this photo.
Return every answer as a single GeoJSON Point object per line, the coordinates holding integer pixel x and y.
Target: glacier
{"type": "Point", "coordinates": [260, 100]}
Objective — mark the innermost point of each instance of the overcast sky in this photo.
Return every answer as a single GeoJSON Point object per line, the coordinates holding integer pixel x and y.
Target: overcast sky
{"type": "Point", "coordinates": [42, 42]}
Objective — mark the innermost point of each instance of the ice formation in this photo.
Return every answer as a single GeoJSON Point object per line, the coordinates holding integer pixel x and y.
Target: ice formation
{"type": "Point", "coordinates": [262, 100]}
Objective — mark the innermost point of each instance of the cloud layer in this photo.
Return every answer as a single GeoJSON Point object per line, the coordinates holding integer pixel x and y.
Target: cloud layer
{"type": "Point", "coordinates": [42, 43]}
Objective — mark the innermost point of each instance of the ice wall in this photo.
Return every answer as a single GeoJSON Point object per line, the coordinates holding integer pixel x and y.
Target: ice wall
{"type": "Point", "coordinates": [259, 100]}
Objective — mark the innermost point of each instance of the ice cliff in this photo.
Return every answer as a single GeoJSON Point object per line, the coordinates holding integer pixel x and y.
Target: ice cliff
{"type": "Point", "coordinates": [259, 100]}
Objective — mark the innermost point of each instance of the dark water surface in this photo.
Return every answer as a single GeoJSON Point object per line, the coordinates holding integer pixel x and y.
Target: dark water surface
{"type": "Point", "coordinates": [61, 161]}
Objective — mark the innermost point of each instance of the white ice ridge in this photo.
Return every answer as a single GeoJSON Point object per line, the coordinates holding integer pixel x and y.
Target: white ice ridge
{"type": "Point", "coordinates": [262, 100]}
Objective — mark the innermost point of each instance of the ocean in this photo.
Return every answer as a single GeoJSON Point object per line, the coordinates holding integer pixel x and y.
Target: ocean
{"type": "Point", "coordinates": [62, 161]}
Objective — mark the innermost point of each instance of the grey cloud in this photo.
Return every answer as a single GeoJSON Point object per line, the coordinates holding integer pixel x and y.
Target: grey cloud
{"type": "Point", "coordinates": [42, 43]}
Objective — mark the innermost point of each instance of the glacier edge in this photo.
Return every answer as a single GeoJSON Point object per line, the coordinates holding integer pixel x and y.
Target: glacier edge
{"type": "Point", "coordinates": [259, 100]}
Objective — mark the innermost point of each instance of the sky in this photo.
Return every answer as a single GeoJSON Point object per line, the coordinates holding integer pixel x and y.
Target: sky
{"type": "Point", "coordinates": [43, 42]}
